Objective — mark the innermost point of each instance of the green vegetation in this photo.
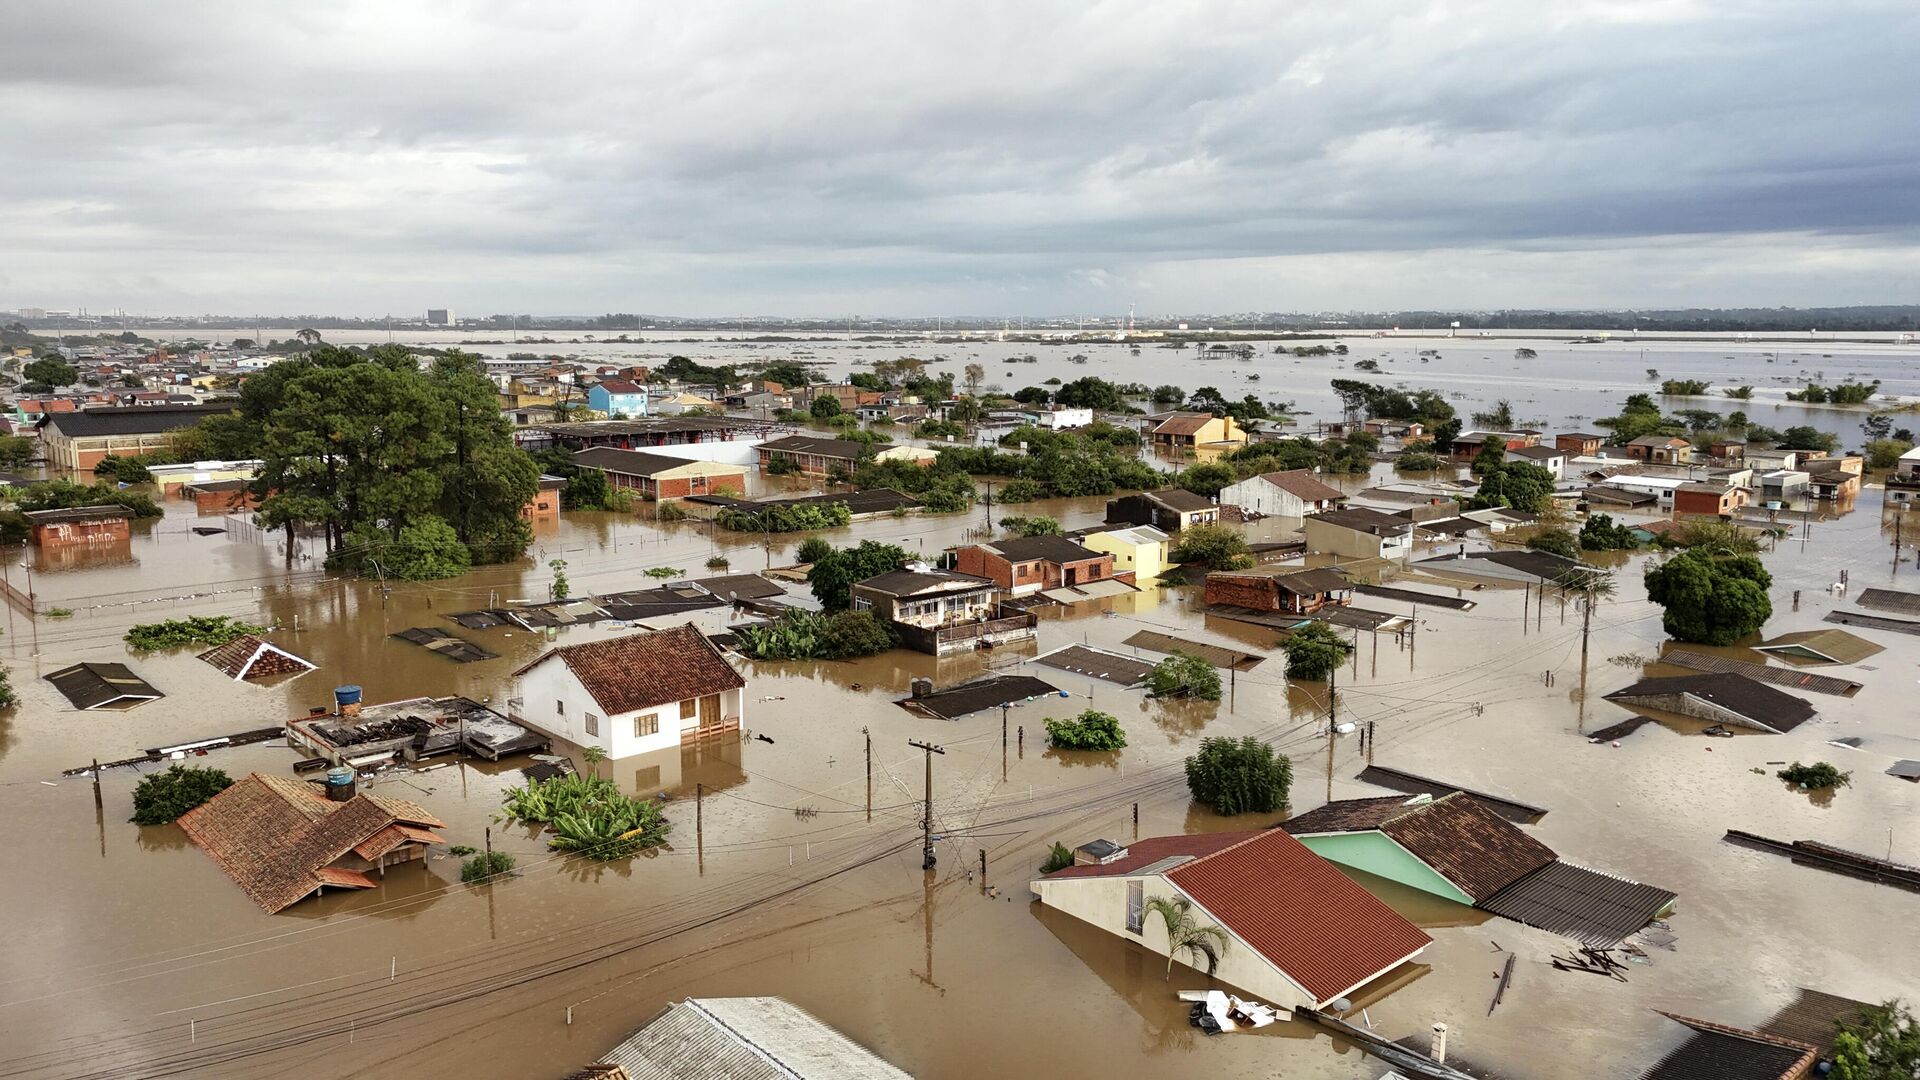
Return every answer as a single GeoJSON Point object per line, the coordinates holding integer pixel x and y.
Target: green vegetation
{"type": "Point", "coordinates": [784, 518]}
{"type": "Point", "coordinates": [559, 588]}
{"type": "Point", "coordinates": [1091, 730]}
{"type": "Point", "coordinates": [1212, 547]}
{"type": "Point", "coordinates": [8, 699]}
{"type": "Point", "coordinates": [1206, 478]}
{"type": "Point", "coordinates": [719, 564]}
{"type": "Point", "coordinates": [589, 816]}
{"type": "Point", "coordinates": [1639, 416]}
{"type": "Point", "coordinates": [485, 866]}
{"type": "Point", "coordinates": [1183, 675]}
{"type": "Point", "coordinates": [1599, 533]}
{"type": "Point", "coordinates": [1314, 651]}
{"type": "Point", "coordinates": [1885, 453]}
{"type": "Point", "coordinates": [1031, 526]}
{"type": "Point", "coordinates": [61, 494]}
{"type": "Point", "coordinates": [50, 371]}
{"type": "Point", "coordinates": [16, 451]}
{"type": "Point", "coordinates": [1846, 393]}
{"type": "Point", "coordinates": [459, 850]}
{"type": "Point", "coordinates": [779, 464]}
{"type": "Point", "coordinates": [806, 635]}
{"type": "Point", "coordinates": [1817, 776]}
{"type": "Point", "coordinates": [1713, 601]}
{"type": "Point", "coordinates": [202, 631]}
{"type": "Point", "coordinates": [812, 549]}
{"type": "Point", "coordinates": [1185, 934]}
{"type": "Point", "coordinates": [1056, 464]}
{"type": "Point", "coordinates": [1802, 437]}
{"type": "Point", "coordinates": [1516, 485]}
{"type": "Point", "coordinates": [1714, 538]}
{"type": "Point", "coordinates": [940, 429]}
{"type": "Point", "coordinates": [163, 796]}
{"type": "Point", "coordinates": [1208, 399]}
{"type": "Point", "coordinates": [941, 487]}
{"type": "Point", "coordinates": [1684, 387]}
{"type": "Point", "coordinates": [1418, 460]}
{"type": "Point", "coordinates": [1352, 454]}
{"type": "Point", "coordinates": [1239, 776]}
{"type": "Point", "coordinates": [1555, 540]}
{"type": "Point", "coordinates": [1387, 403]}
{"type": "Point", "coordinates": [1499, 418]}
{"type": "Point", "coordinates": [1738, 393]}
{"type": "Point", "coordinates": [824, 407]}
{"type": "Point", "coordinates": [367, 445]}
{"type": "Point", "coordinates": [1883, 1045]}
{"type": "Point", "coordinates": [1168, 394]}
{"type": "Point", "coordinates": [129, 470]}
{"type": "Point", "coordinates": [664, 573]}
{"type": "Point", "coordinates": [833, 574]}
{"type": "Point", "coordinates": [1059, 858]}
{"type": "Point", "coordinates": [1491, 456]}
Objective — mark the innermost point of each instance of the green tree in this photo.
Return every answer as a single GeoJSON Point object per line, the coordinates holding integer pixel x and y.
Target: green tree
{"type": "Point", "coordinates": [1239, 776]}
{"type": "Point", "coordinates": [1802, 437]}
{"type": "Point", "coordinates": [1185, 934]}
{"type": "Point", "coordinates": [1184, 675]}
{"type": "Point", "coordinates": [1713, 601]}
{"type": "Point", "coordinates": [1885, 453]}
{"type": "Point", "coordinates": [50, 371]}
{"type": "Point", "coordinates": [1091, 730]}
{"type": "Point", "coordinates": [1492, 453]}
{"type": "Point", "coordinates": [559, 588]}
{"type": "Point", "coordinates": [1031, 526]}
{"type": "Point", "coordinates": [833, 576]}
{"type": "Point", "coordinates": [1213, 547]}
{"type": "Point", "coordinates": [1207, 478]}
{"type": "Point", "coordinates": [1517, 485]}
{"type": "Point", "coordinates": [426, 550]}
{"type": "Point", "coordinates": [1058, 858]}
{"type": "Point", "coordinates": [163, 796]}
{"type": "Point", "coordinates": [1555, 541]}
{"type": "Point", "coordinates": [824, 407]}
{"type": "Point", "coordinates": [1599, 533]}
{"type": "Point", "coordinates": [1314, 651]}
{"type": "Point", "coordinates": [485, 866]}
{"type": "Point", "coordinates": [1884, 1044]}
{"type": "Point", "coordinates": [812, 550]}
{"type": "Point", "coordinates": [17, 451]}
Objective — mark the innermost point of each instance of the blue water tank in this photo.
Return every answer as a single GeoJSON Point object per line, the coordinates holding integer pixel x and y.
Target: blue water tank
{"type": "Point", "coordinates": [340, 783]}
{"type": "Point", "coordinates": [346, 695]}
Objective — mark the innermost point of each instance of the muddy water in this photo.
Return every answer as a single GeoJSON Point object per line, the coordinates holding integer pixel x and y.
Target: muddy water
{"type": "Point", "coordinates": [131, 954]}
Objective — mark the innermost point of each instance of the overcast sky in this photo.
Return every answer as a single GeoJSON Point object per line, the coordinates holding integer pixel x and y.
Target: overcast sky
{"type": "Point", "coordinates": [811, 158]}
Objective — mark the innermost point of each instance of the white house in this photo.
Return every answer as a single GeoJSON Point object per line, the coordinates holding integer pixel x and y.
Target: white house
{"type": "Point", "coordinates": [1293, 493]}
{"type": "Point", "coordinates": [1060, 417]}
{"type": "Point", "coordinates": [632, 695]}
{"type": "Point", "coordinates": [1549, 458]}
{"type": "Point", "coordinates": [1360, 533]}
{"type": "Point", "coordinates": [1300, 933]}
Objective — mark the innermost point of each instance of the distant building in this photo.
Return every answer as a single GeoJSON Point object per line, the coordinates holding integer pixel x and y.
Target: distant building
{"type": "Point", "coordinates": [1552, 459]}
{"type": "Point", "coordinates": [439, 316]}
{"type": "Point", "coordinates": [80, 525]}
{"type": "Point", "coordinates": [1192, 430]}
{"type": "Point", "coordinates": [1360, 533]}
{"type": "Point", "coordinates": [617, 398]}
{"type": "Point", "coordinates": [1661, 449]}
{"type": "Point", "coordinates": [1294, 591]}
{"type": "Point", "coordinates": [656, 476]}
{"type": "Point", "coordinates": [77, 441]}
{"type": "Point", "coordinates": [811, 456]}
{"type": "Point", "coordinates": [1169, 510]}
{"type": "Point", "coordinates": [1708, 500]}
{"type": "Point", "coordinates": [1291, 494]}
{"type": "Point", "coordinates": [1579, 443]}
{"type": "Point", "coordinates": [941, 612]}
{"type": "Point", "coordinates": [545, 504]}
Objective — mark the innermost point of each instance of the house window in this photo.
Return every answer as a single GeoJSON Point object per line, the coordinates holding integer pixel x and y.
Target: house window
{"type": "Point", "coordinates": [593, 725]}
{"type": "Point", "coordinates": [559, 708]}
{"type": "Point", "coordinates": [649, 724]}
{"type": "Point", "coordinates": [1136, 906]}
{"type": "Point", "coordinates": [689, 708]}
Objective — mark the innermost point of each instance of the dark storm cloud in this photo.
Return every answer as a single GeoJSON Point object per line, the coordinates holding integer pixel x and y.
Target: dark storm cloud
{"type": "Point", "coordinates": [886, 157]}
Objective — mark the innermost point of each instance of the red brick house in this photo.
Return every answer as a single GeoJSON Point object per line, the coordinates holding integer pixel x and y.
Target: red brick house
{"type": "Point", "coordinates": [811, 456]}
{"type": "Point", "coordinates": [220, 496]}
{"type": "Point", "coordinates": [1708, 500]}
{"type": "Point", "coordinates": [80, 525]}
{"type": "Point", "coordinates": [545, 504]}
{"type": "Point", "coordinates": [1294, 591]}
{"type": "Point", "coordinates": [1030, 564]}
{"type": "Point", "coordinates": [1579, 443]}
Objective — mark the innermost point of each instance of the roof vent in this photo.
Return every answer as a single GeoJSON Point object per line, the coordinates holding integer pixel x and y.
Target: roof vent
{"type": "Point", "coordinates": [1098, 853]}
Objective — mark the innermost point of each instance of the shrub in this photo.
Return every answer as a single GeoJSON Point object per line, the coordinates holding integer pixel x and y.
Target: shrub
{"type": "Point", "coordinates": [781, 465]}
{"type": "Point", "coordinates": [939, 429]}
{"type": "Point", "coordinates": [1239, 776]}
{"type": "Point", "coordinates": [8, 699]}
{"type": "Point", "coordinates": [1059, 858]}
{"type": "Point", "coordinates": [1555, 541]}
{"type": "Point", "coordinates": [1031, 526]}
{"type": "Point", "coordinates": [1214, 547]}
{"type": "Point", "coordinates": [459, 850]}
{"type": "Point", "coordinates": [1816, 776]}
{"type": "Point", "coordinates": [806, 635]}
{"type": "Point", "coordinates": [1314, 651]}
{"type": "Point", "coordinates": [1422, 460]}
{"type": "Point", "coordinates": [164, 796]}
{"type": "Point", "coordinates": [784, 517]}
{"type": "Point", "coordinates": [824, 407]}
{"type": "Point", "coordinates": [664, 573]}
{"type": "Point", "coordinates": [718, 563]}
{"type": "Point", "coordinates": [206, 631]}
{"type": "Point", "coordinates": [669, 512]}
{"type": "Point", "coordinates": [590, 816]}
{"type": "Point", "coordinates": [1183, 675]}
{"type": "Point", "coordinates": [485, 865]}
{"type": "Point", "coordinates": [812, 550]}
{"type": "Point", "coordinates": [1091, 730]}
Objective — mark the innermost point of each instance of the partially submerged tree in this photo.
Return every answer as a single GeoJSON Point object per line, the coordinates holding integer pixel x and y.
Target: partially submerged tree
{"type": "Point", "coordinates": [1239, 776]}
{"type": "Point", "coordinates": [1185, 934]}
{"type": "Point", "coordinates": [1184, 675]}
{"type": "Point", "coordinates": [1314, 651]}
{"type": "Point", "coordinates": [1884, 1044]}
{"type": "Point", "coordinates": [164, 796]}
{"type": "Point", "coordinates": [1091, 730]}
{"type": "Point", "coordinates": [1213, 547]}
{"type": "Point", "coordinates": [1713, 601]}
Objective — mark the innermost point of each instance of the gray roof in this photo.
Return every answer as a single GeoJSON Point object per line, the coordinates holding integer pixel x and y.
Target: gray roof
{"type": "Point", "coordinates": [1586, 905]}
{"type": "Point", "coordinates": [1055, 549]}
{"type": "Point", "coordinates": [1361, 519]}
{"type": "Point", "coordinates": [1179, 499]}
{"type": "Point", "coordinates": [1541, 453]}
{"type": "Point", "coordinates": [77, 513]}
{"type": "Point", "coordinates": [752, 1038]}
{"type": "Point", "coordinates": [633, 462]}
{"type": "Point", "coordinates": [912, 582]}
{"type": "Point", "coordinates": [1774, 710]}
{"type": "Point", "coordinates": [808, 444]}
{"type": "Point", "coordinates": [134, 419]}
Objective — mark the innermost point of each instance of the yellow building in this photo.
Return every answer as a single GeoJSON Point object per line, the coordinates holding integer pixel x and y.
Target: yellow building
{"type": "Point", "coordinates": [1140, 550]}
{"type": "Point", "coordinates": [1193, 430]}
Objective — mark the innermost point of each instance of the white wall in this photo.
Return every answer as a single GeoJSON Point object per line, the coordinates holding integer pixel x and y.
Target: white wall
{"type": "Point", "coordinates": [737, 452]}
{"type": "Point", "coordinates": [1262, 497]}
{"type": "Point", "coordinates": [552, 699]}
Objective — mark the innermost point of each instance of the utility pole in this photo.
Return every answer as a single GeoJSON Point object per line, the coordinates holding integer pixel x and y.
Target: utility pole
{"type": "Point", "coordinates": [700, 826]}
{"type": "Point", "coordinates": [869, 736]}
{"type": "Point", "coordinates": [926, 821]}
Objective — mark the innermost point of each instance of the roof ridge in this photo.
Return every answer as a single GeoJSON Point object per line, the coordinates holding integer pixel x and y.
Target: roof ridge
{"type": "Point", "coordinates": [1259, 834]}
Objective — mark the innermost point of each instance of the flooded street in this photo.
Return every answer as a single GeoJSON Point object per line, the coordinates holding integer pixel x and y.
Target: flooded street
{"type": "Point", "coordinates": [133, 955]}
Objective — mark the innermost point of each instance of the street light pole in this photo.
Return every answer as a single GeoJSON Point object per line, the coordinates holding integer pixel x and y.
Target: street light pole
{"type": "Point", "coordinates": [927, 858]}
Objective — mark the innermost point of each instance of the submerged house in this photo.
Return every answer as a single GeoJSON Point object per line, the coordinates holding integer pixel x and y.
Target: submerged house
{"type": "Point", "coordinates": [281, 840]}
{"type": "Point", "coordinates": [1458, 848]}
{"type": "Point", "coordinates": [941, 612]}
{"type": "Point", "coordinates": [1029, 564]}
{"type": "Point", "coordinates": [634, 694]}
{"type": "Point", "coordinates": [80, 525]}
{"type": "Point", "coordinates": [1169, 510]}
{"type": "Point", "coordinates": [1721, 697]}
{"type": "Point", "coordinates": [1293, 590]}
{"type": "Point", "coordinates": [1139, 553]}
{"type": "Point", "coordinates": [1302, 934]}
{"type": "Point", "coordinates": [1292, 493]}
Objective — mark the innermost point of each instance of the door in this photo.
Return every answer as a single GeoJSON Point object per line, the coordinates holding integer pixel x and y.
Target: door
{"type": "Point", "coordinates": [711, 722]}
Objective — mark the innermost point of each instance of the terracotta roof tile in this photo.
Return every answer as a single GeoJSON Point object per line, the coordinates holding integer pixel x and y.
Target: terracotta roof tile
{"type": "Point", "coordinates": [1183, 424]}
{"type": "Point", "coordinates": [1293, 907]}
{"type": "Point", "coordinates": [640, 671]}
{"type": "Point", "coordinates": [1468, 844]}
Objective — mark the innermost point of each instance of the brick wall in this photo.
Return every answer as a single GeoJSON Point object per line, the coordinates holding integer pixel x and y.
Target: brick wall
{"type": "Point", "coordinates": [1242, 590]}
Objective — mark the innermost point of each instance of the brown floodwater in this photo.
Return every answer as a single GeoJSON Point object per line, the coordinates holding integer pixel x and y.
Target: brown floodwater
{"type": "Point", "coordinates": [130, 954]}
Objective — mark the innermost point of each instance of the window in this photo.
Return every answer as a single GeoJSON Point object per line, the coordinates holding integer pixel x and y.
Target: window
{"type": "Point", "coordinates": [593, 725]}
{"type": "Point", "coordinates": [559, 708]}
{"type": "Point", "coordinates": [649, 724]}
{"type": "Point", "coordinates": [646, 778]}
{"type": "Point", "coordinates": [1136, 906]}
{"type": "Point", "coordinates": [689, 708]}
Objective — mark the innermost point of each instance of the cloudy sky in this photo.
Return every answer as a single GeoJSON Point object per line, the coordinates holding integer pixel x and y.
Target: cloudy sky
{"type": "Point", "coordinates": [819, 158]}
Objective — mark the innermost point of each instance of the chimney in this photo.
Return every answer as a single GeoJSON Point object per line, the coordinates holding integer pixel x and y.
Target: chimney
{"type": "Point", "coordinates": [1438, 1051]}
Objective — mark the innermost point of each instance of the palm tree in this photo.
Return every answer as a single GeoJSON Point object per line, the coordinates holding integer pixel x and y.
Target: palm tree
{"type": "Point", "coordinates": [1186, 935]}
{"type": "Point", "coordinates": [594, 755]}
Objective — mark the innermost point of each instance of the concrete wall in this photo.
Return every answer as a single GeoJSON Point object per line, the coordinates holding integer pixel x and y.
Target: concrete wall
{"type": "Point", "coordinates": [1330, 539]}
{"type": "Point", "coordinates": [1145, 561]}
{"type": "Point", "coordinates": [738, 452]}
{"type": "Point", "coordinates": [1103, 902]}
{"type": "Point", "coordinates": [1377, 854]}
{"type": "Point", "coordinates": [1262, 497]}
{"type": "Point", "coordinates": [553, 700]}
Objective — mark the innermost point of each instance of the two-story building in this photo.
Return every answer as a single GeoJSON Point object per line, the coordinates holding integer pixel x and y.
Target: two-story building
{"type": "Point", "coordinates": [1139, 553]}
{"type": "Point", "coordinates": [811, 456]}
{"type": "Point", "coordinates": [1661, 449]}
{"type": "Point", "coordinates": [1029, 564]}
{"type": "Point", "coordinates": [1552, 459]}
{"type": "Point", "coordinates": [617, 399]}
{"type": "Point", "coordinates": [632, 695]}
{"type": "Point", "coordinates": [1579, 443]}
{"type": "Point", "coordinates": [1290, 494]}
{"type": "Point", "coordinates": [1191, 430]}
{"type": "Point", "coordinates": [1169, 510]}
{"type": "Point", "coordinates": [940, 612]}
{"type": "Point", "coordinates": [1708, 499]}
{"type": "Point", "coordinates": [1291, 590]}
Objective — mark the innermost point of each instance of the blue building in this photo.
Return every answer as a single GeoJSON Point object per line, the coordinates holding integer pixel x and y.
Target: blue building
{"type": "Point", "coordinates": [617, 397]}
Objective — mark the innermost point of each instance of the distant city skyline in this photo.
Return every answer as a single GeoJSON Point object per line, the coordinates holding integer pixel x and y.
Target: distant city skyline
{"type": "Point", "coordinates": [804, 161]}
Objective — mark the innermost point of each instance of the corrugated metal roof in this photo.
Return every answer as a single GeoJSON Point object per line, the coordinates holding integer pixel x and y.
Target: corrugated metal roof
{"type": "Point", "coordinates": [1098, 664]}
{"type": "Point", "coordinates": [1799, 680]}
{"type": "Point", "coordinates": [1218, 656]}
{"type": "Point", "coordinates": [1757, 703]}
{"type": "Point", "coordinates": [758, 1038]}
{"type": "Point", "coordinates": [1719, 1052]}
{"type": "Point", "coordinates": [988, 693]}
{"type": "Point", "coordinates": [1890, 600]}
{"type": "Point", "coordinates": [1589, 906]}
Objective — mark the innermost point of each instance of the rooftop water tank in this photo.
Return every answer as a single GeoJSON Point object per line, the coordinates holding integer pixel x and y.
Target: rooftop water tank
{"type": "Point", "coordinates": [339, 783]}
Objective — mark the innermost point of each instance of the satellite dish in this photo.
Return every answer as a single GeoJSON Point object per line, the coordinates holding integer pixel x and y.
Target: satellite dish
{"type": "Point", "coordinates": [1342, 1005]}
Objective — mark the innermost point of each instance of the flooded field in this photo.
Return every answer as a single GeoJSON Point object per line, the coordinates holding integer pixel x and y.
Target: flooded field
{"type": "Point", "coordinates": [131, 954]}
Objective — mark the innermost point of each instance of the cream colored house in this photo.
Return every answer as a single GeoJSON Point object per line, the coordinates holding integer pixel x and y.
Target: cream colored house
{"type": "Point", "coordinates": [1300, 934]}
{"type": "Point", "coordinates": [1140, 550]}
{"type": "Point", "coordinates": [632, 695]}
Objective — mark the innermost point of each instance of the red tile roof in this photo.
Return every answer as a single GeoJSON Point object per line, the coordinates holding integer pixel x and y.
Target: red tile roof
{"type": "Point", "coordinates": [1183, 423]}
{"type": "Point", "coordinates": [1302, 484]}
{"type": "Point", "coordinates": [1286, 903]}
{"type": "Point", "coordinates": [640, 671]}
